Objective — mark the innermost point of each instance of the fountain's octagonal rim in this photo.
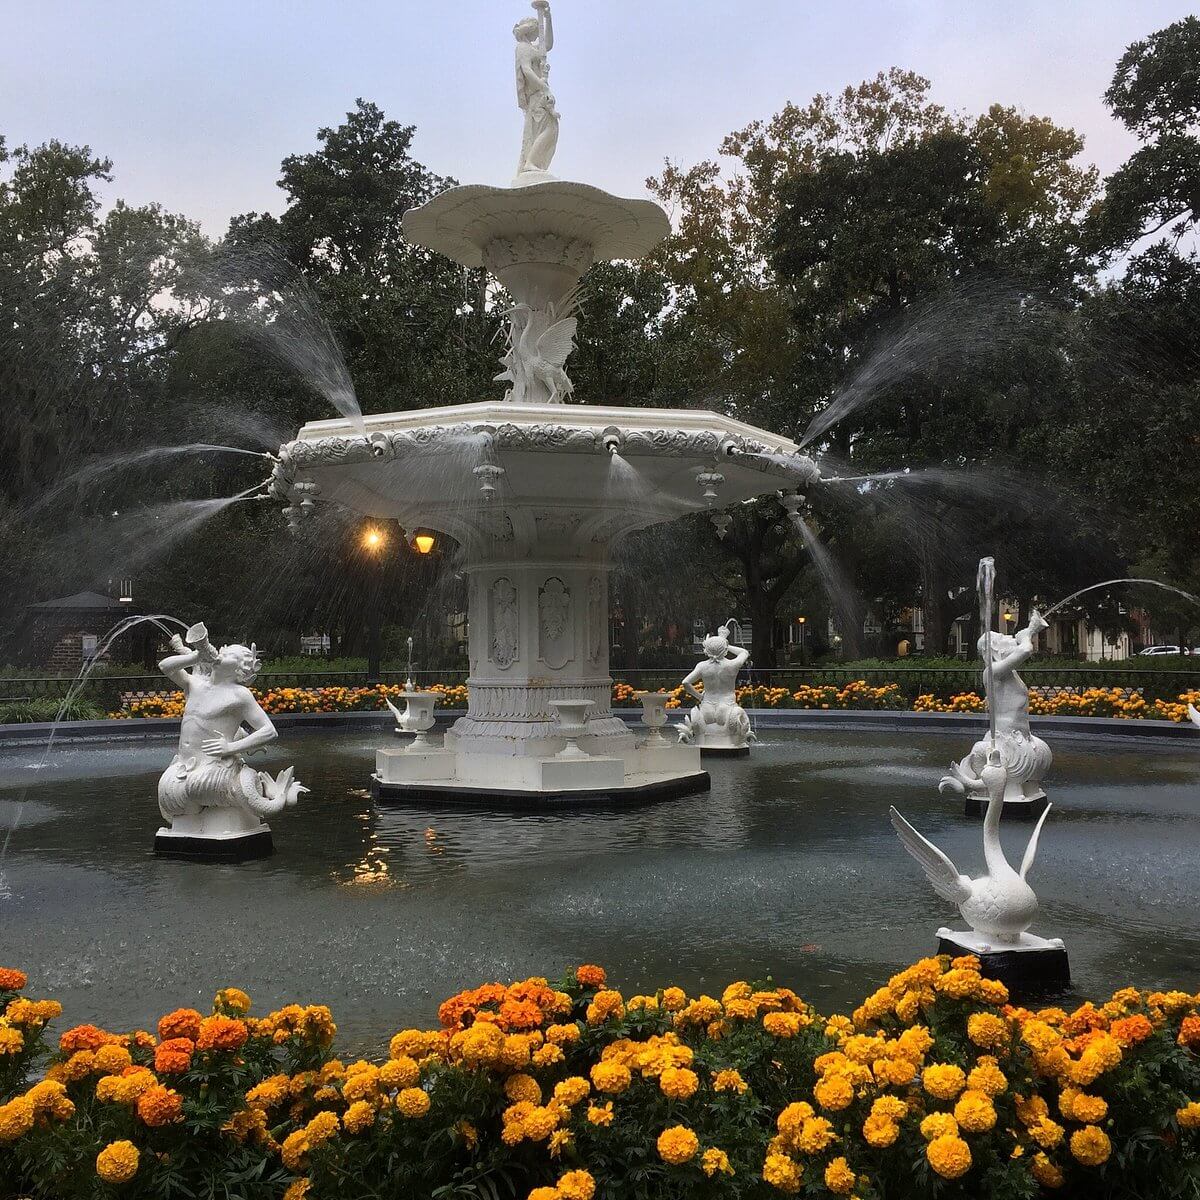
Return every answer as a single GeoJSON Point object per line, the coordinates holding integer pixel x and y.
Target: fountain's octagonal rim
{"type": "Point", "coordinates": [497, 413]}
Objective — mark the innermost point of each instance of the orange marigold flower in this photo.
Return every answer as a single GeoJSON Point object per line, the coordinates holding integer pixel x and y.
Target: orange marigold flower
{"type": "Point", "coordinates": [12, 980]}
{"type": "Point", "coordinates": [83, 1037]}
{"type": "Point", "coordinates": [159, 1105]}
{"type": "Point", "coordinates": [182, 1023]}
{"type": "Point", "coordinates": [1189, 1032]}
{"type": "Point", "coordinates": [173, 1056]}
{"type": "Point", "coordinates": [1129, 1031]}
{"type": "Point", "coordinates": [590, 976]}
{"type": "Point", "coordinates": [221, 1033]}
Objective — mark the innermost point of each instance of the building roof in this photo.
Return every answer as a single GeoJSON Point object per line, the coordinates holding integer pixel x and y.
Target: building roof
{"type": "Point", "coordinates": [80, 602]}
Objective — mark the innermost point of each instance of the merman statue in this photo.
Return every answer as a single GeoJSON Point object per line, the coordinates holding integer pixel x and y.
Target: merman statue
{"type": "Point", "coordinates": [213, 802]}
{"type": "Point", "coordinates": [718, 724]}
{"type": "Point", "coordinates": [1025, 758]}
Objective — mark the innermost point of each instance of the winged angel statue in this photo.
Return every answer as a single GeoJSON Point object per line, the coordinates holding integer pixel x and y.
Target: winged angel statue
{"type": "Point", "coordinates": [539, 342]}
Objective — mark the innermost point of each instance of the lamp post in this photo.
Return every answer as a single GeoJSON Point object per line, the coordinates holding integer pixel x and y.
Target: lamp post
{"type": "Point", "coordinates": [801, 621]}
{"type": "Point", "coordinates": [424, 543]}
{"type": "Point", "coordinates": [373, 542]}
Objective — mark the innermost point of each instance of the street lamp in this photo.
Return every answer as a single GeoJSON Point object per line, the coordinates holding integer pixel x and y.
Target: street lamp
{"type": "Point", "coordinates": [423, 543]}
{"type": "Point", "coordinates": [801, 622]}
{"type": "Point", "coordinates": [373, 542]}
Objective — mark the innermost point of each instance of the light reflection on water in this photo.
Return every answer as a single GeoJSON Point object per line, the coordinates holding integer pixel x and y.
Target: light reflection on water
{"type": "Point", "coordinates": [788, 868]}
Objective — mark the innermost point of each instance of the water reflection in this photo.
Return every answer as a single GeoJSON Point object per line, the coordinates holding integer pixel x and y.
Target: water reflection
{"type": "Point", "coordinates": [787, 868]}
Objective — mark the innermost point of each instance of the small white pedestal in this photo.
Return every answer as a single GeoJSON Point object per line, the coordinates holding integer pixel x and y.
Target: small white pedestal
{"type": "Point", "coordinates": [215, 835]}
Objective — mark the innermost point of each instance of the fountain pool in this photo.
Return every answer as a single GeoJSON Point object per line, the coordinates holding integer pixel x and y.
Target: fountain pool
{"type": "Point", "coordinates": [788, 867]}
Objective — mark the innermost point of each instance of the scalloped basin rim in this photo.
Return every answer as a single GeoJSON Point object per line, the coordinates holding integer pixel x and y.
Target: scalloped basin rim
{"type": "Point", "coordinates": [571, 416]}
{"type": "Point", "coordinates": [461, 221]}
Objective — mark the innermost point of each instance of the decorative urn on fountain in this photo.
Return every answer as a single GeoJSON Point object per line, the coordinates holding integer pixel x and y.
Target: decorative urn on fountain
{"type": "Point", "coordinates": [533, 490]}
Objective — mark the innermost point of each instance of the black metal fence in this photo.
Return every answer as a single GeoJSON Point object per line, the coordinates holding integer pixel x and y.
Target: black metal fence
{"type": "Point", "coordinates": [109, 691]}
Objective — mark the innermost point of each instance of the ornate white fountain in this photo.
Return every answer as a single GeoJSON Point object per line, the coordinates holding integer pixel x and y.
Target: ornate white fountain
{"type": "Point", "coordinates": [535, 492]}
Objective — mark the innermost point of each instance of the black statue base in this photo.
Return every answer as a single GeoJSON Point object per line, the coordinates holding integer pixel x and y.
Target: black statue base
{"type": "Point", "coordinates": [1039, 968]}
{"type": "Point", "coordinates": [724, 751]}
{"type": "Point", "coordinates": [242, 848]}
{"type": "Point", "coordinates": [1014, 810]}
{"type": "Point", "coordinates": [458, 794]}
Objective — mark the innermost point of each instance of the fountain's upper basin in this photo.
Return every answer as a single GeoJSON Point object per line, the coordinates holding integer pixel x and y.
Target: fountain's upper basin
{"type": "Point", "coordinates": [491, 469]}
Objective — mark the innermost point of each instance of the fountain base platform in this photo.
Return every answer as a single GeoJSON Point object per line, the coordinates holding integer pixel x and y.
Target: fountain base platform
{"type": "Point", "coordinates": [1029, 809]}
{"type": "Point", "coordinates": [448, 774]}
{"type": "Point", "coordinates": [215, 847]}
{"type": "Point", "coordinates": [1034, 967]}
{"type": "Point", "coordinates": [724, 751]}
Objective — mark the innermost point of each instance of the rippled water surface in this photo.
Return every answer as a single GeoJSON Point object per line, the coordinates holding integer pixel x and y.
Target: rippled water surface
{"type": "Point", "coordinates": [788, 868]}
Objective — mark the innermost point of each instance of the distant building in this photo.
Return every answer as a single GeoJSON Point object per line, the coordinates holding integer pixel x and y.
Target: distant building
{"type": "Point", "coordinates": [62, 634]}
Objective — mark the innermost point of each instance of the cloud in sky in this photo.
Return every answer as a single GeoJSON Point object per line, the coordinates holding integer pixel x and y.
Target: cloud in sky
{"type": "Point", "coordinates": [197, 102]}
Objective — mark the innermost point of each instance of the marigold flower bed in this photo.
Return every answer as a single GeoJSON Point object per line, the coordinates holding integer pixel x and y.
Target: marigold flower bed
{"type": "Point", "coordinates": [935, 1086]}
{"type": "Point", "coordinates": [856, 695]}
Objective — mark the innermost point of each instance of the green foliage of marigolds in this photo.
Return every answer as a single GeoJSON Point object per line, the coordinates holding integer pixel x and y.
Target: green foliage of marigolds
{"type": "Point", "coordinates": [29, 711]}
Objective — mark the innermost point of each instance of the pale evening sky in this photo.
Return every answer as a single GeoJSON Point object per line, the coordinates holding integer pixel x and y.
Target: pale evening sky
{"type": "Point", "coordinates": [197, 102]}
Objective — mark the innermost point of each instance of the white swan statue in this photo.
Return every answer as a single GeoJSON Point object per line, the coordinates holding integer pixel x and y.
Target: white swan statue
{"type": "Point", "coordinates": [999, 906]}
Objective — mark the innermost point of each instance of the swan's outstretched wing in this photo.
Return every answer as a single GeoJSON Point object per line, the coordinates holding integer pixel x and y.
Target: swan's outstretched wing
{"type": "Point", "coordinates": [1031, 849]}
{"type": "Point", "coordinates": [1193, 715]}
{"type": "Point", "coordinates": [395, 711]}
{"type": "Point", "coordinates": [939, 870]}
{"type": "Point", "coordinates": [558, 341]}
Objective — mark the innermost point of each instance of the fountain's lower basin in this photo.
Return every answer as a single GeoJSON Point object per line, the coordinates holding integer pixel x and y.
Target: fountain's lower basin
{"type": "Point", "coordinates": [786, 869]}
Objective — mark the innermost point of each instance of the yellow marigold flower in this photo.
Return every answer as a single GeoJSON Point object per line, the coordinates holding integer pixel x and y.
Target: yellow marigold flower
{"type": "Point", "coordinates": [898, 1072]}
{"type": "Point", "coordinates": [678, 1083]}
{"type": "Point", "coordinates": [782, 1173]}
{"type": "Point", "coordinates": [987, 1030]}
{"type": "Point", "coordinates": [563, 1035]}
{"type": "Point", "coordinates": [363, 1085]}
{"type": "Point", "coordinates": [880, 1131]}
{"type": "Point", "coordinates": [991, 991]}
{"type": "Point", "coordinates": [576, 1185]}
{"type": "Point", "coordinates": [412, 1102]}
{"type": "Point", "coordinates": [1087, 1110]}
{"type": "Point", "coordinates": [611, 1077]}
{"type": "Point", "coordinates": [782, 1024]}
{"type": "Point", "coordinates": [1189, 1115]}
{"type": "Point", "coordinates": [838, 1026]}
{"type": "Point", "coordinates": [938, 1124]}
{"type": "Point", "coordinates": [728, 1081]}
{"type": "Point", "coordinates": [606, 1005]}
{"type": "Point", "coordinates": [1045, 1171]}
{"type": "Point", "coordinates": [1090, 1146]}
{"type": "Point", "coordinates": [12, 1041]}
{"type": "Point", "coordinates": [523, 1087]}
{"type": "Point", "coordinates": [540, 1123]}
{"type": "Point", "coordinates": [914, 1043]}
{"type": "Point", "coordinates": [834, 1092]}
{"type": "Point", "coordinates": [943, 1080]}
{"type": "Point", "coordinates": [515, 1051]}
{"type": "Point", "coordinates": [112, 1060]}
{"type": "Point", "coordinates": [358, 1117]}
{"type": "Point", "coordinates": [975, 1112]}
{"type": "Point", "coordinates": [792, 1119]}
{"type": "Point", "coordinates": [297, 1189]}
{"type": "Point", "coordinates": [949, 1156]}
{"type": "Point", "coordinates": [409, 1042]}
{"type": "Point", "coordinates": [399, 1073]}
{"type": "Point", "coordinates": [1046, 1133]}
{"type": "Point", "coordinates": [677, 1145]}
{"type": "Point", "coordinates": [815, 1135]}
{"type": "Point", "coordinates": [891, 1107]}
{"type": "Point", "coordinates": [572, 1090]}
{"type": "Point", "coordinates": [839, 1179]}
{"type": "Point", "coordinates": [600, 1114]}
{"type": "Point", "coordinates": [545, 1193]}
{"type": "Point", "coordinates": [548, 1055]}
{"type": "Point", "coordinates": [295, 1147]}
{"type": "Point", "coordinates": [117, 1162]}
{"type": "Point", "coordinates": [957, 983]}
{"type": "Point", "coordinates": [673, 999]}
{"type": "Point", "coordinates": [233, 999]}
{"type": "Point", "coordinates": [714, 1161]}
{"type": "Point", "coordinates": [16, 1118]}
{"type": "Point", "coordinates": [737, 991]}
{"type": "Point", "coordinates": [321, 1128]}
{"type": "Point", "coordinates": [987, 1077]}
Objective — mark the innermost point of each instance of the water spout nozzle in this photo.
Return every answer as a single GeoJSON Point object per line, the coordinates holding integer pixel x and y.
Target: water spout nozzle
{"type": "Point", "coordinates": [612, 439]}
